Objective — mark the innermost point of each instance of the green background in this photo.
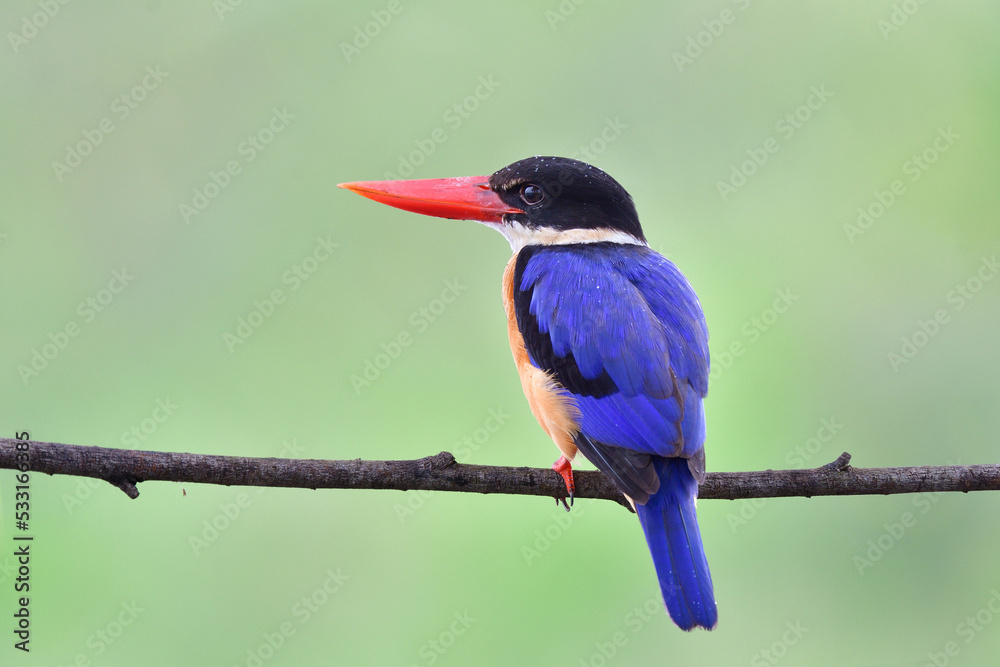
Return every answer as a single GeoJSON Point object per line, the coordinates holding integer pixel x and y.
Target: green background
{"type": "Point", "coordinates": [535, 586]}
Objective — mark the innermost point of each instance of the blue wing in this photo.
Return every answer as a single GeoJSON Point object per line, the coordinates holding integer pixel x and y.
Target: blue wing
{"type": "Point", "coordinates": [621, 330]}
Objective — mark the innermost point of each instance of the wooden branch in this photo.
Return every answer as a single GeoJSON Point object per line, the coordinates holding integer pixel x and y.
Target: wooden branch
{"type": "Point", "coordinates": [125, 468]}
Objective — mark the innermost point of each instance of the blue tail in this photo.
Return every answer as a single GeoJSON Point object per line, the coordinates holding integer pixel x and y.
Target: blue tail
{"type": "Point", "coordinates": [671, 528]}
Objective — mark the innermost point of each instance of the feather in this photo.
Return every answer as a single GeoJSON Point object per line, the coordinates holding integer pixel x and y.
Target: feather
{"type": "Point", "coordinates": [620, 330]}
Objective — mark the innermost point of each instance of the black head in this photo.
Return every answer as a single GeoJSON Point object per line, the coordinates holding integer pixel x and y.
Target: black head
{"type": "Point", "coordinates": [563, 194]}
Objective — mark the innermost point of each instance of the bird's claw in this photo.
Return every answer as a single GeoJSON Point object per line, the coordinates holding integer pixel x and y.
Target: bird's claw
{"type": "Point", "coordinates": [565, 470]}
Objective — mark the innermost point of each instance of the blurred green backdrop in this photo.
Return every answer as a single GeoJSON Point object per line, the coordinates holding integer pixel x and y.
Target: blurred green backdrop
{"type": "Point", "coordinates": [168, 166]}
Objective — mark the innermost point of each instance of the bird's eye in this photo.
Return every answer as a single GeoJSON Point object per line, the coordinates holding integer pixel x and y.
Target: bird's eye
{"type": "Point", "coordinates": [531, 193]}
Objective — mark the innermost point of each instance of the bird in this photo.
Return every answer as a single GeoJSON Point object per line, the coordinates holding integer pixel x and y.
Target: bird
{"type": "Point", "coordinates": [609, 340]}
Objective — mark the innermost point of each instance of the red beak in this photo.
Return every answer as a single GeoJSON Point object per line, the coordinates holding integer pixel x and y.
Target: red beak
{"type": "Point", "coordinates": [465, 198]}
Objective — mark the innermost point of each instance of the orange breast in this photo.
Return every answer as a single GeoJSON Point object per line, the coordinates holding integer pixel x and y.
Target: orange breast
{"type": "Point", "coordinates": [555, 411]}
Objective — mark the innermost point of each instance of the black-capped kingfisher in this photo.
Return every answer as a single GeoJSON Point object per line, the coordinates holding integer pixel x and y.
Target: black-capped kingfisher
{"type": "Point", "coordinates": [609, 340]}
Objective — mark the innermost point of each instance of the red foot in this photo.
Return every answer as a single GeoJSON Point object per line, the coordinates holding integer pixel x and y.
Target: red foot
{"type": "Point", "coordinates": [563, 467]}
